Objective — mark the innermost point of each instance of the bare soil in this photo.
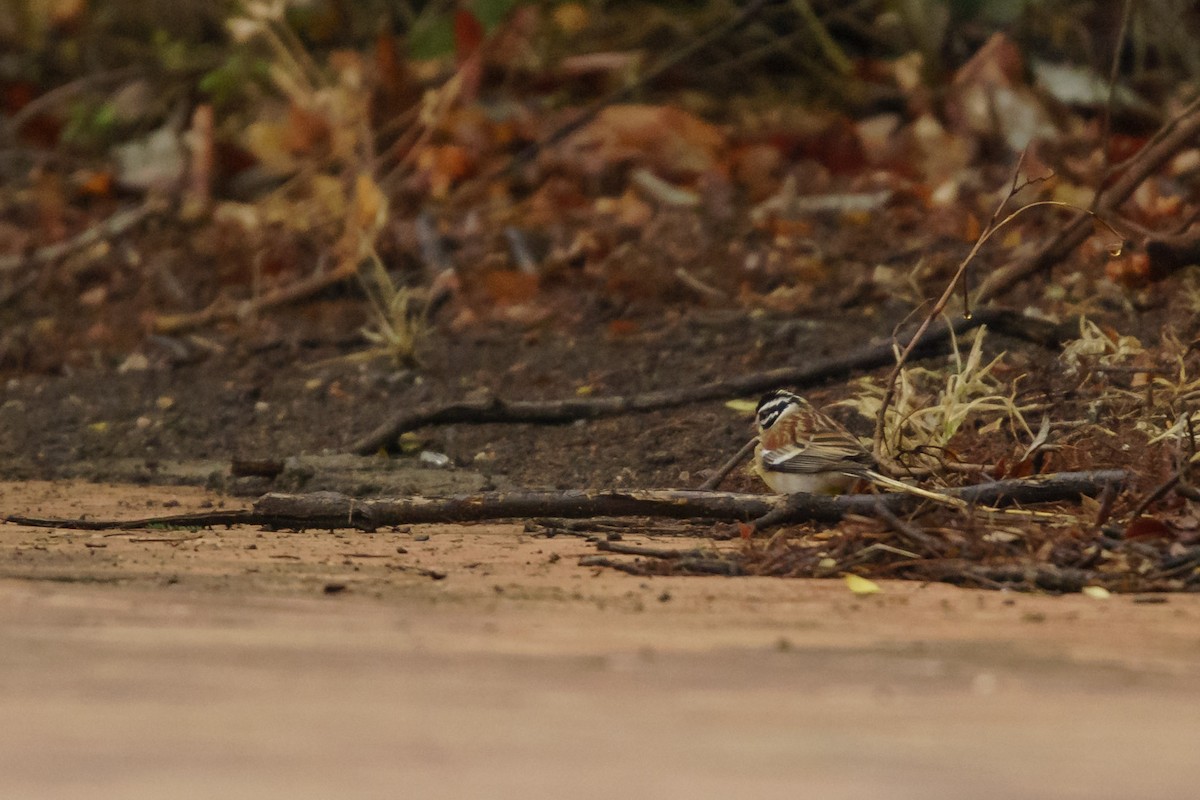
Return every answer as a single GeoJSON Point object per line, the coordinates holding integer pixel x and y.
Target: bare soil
{"type": "Point", "coordinates": [482, 661]}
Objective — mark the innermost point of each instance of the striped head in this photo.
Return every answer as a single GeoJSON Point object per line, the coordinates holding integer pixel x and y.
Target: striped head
{"type": "Point", "coordinates": [775, 404]}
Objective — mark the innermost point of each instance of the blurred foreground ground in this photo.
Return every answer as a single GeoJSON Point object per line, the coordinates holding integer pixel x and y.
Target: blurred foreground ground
{"type": "Point", "coordinates": [213, 663]}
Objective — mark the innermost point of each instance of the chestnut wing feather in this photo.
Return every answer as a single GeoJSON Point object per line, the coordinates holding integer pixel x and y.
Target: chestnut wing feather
{"type": "Point", "coordinates": [787, 447]}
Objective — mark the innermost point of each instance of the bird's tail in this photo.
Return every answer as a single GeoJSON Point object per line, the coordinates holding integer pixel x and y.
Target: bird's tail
{"type": "Point", "coordinates": [900, 486]}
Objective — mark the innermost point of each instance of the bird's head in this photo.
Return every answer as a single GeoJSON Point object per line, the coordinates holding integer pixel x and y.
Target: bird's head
{"type": "Point", "coordinates": [774, 404]}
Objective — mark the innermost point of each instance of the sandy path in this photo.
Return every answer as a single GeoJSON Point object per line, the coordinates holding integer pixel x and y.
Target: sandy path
{"type": "Point", "coordinates": [217, 666]}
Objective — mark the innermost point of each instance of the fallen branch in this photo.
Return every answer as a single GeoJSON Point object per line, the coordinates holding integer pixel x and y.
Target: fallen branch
{"type": "Point", "coordinates": [224, 310]}
{"type": "Point", "coordinates": [650, 552]}
{"type": "Point", "coordinates": [557, 412]}
{"type": "Point", "coordinates": [1178, 133]}
{"type": "Point", "coordinates": [333, 511]}
{"type": "Point", "coordinates": [1169, 252]}
{"type": "Point", "coordinates": [170, 522]}
{"type": "Point", "coordinates": [1031, 577]}
{"type": "Point", "coordinates": [109, 228]}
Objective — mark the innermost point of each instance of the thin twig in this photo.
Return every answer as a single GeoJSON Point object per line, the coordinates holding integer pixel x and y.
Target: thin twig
{"type": "Point", "coordinates": [907, 530]}
{"type": "Point", "coordinates": [715, 479]}
{"type": "Point", "coordinates": [1159, 493]}
{"type": "Point", "coordinates": [1106, 123]}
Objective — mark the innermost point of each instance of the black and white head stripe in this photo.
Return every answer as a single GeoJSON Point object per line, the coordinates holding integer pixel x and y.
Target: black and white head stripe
{"type": "Point", "coordinates": [773, 404]}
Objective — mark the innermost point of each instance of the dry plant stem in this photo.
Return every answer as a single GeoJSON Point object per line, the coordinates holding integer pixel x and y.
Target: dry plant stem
{"type": "Point", "coordinates": [825, 42]}
{"type": "Point", "coordinates": [557, 412]}
{"type": "Point", "coordinates": [940, 306]}
{"type": "Point", "coordinates": [729, 466]}
{"type": "Point", "coordinates": [1178, 133]}
{"type": "Point", "coordinates": [1106, 130]}
{"type": "Point", "coordinates": [333, 511]}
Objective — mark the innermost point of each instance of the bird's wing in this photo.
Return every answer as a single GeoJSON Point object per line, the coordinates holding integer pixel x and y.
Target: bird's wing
{"type": "Point", "coordinates": [828, 448]}
{"type": "Point", "coordinates": [821, 453]}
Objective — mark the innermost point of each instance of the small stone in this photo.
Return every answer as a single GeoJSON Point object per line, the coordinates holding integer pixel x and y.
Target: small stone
{"type": "Point", "coordinates": [432, 459]}
{"type": "Point", "coordinates": [134, 362]}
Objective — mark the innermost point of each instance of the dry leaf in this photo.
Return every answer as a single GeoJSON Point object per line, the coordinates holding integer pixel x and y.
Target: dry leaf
{"type": "Point", "coordinates": [507, 287]}
{"type": "Point", "coordinates": [742, 406]}
{"type": "Point", "coordinates": [1147, 528]}
{"type": "Point", "coordinates": [669, 140]}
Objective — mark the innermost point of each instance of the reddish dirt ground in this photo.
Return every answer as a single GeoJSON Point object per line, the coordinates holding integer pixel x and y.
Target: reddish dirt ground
{"type": "Point", "coordinates": [191, 664]}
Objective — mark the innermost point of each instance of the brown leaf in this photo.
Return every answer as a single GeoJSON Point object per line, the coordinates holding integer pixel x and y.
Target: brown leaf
{"type": "Point", "coordinates": [468, 34]}
{"type": "Point", "coordinates": [1132, 271]}
{"type": "Point", "coordinates": [622, 327]}
{"type": "Point", "coordinates": [672, 142]}
{"type": "Point", "coordinates": [444, 166]}
{"type": "Point", "coordinates": [396, 88]}
{"type": "Point", "coordinates": [96, 183]}
{"type": "Point", "coordinates": [1148, 528]}
{"type": "Point", "coordinates": [305, 131]}
{"type": "Point", "coordinates": [507, 287]}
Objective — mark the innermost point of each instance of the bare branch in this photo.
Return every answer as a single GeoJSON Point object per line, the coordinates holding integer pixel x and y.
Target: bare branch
{"type": "Point", "coordinates": [557, 412]}
{"type": "Point", "coordinates": [336, 511]}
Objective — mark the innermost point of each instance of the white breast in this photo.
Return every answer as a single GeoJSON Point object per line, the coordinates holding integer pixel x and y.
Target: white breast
{"type": "Point", "coordinates": [812, 483]}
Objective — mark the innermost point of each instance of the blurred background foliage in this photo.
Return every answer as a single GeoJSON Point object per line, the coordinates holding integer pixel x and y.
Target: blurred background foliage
{"type": "Point", "coordinates": [814, 47]}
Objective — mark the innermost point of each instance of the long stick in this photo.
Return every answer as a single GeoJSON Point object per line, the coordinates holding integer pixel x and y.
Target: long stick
{"type": "Point", "coordinates": [333, 511]}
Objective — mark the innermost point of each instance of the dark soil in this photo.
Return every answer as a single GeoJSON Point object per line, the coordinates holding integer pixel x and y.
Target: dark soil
{"type": "Point", "coordinates": [276, 399]}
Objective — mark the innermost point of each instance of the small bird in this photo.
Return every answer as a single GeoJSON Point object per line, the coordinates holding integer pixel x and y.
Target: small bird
{"type": "Point", "coordinates": [801, 449]}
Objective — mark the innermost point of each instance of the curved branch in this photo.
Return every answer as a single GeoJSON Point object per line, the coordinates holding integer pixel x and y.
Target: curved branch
{"type": "Point", "coordinates": [557, 412]}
